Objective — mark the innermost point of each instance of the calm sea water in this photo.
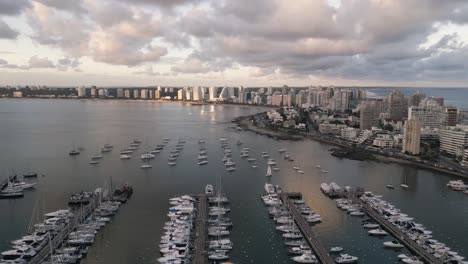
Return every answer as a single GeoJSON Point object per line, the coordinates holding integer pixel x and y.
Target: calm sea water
{"type": "Point", "coordinates": [453, 96]}
{"type": "Point", "coordinates": [37, 135]}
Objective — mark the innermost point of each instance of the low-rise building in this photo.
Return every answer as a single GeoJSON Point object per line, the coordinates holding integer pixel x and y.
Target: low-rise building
{"type": "Point", "coordinates": [349, 133]}
{"type": "Point", "coordinates": [383, 141]}
{"type": "Point", "coordinates": [453, 139]}
{"type": "Point", "coordinates": [334, 129]}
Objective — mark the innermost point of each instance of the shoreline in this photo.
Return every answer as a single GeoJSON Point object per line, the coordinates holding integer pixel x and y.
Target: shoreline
{"type": "Point", "coordinates": [245, 123]}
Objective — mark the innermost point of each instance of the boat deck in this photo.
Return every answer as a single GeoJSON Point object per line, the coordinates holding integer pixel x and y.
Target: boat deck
{"type": "Point", "coordinates": [201, 232]}
{"type": "Point", "coordinates": [309, 235]}
{"type": "Point", "coordinates": [415, 248]}
{"type": "Point", "coordinates": [60, 238]}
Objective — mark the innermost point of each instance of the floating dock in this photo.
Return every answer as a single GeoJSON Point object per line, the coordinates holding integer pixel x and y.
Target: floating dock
{"type": "Point", "coordinates": [398, 234]}
{"type": "Point", "coordinates": [309, 235]}
{"type": "Point", "coordinates": [201, 232]}
{"type": "Point", "coordinates": [58, 239]}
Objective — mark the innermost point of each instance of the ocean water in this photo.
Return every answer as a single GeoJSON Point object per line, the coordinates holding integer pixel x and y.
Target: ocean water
{"type": "Point", "coordinates": [37, 135]}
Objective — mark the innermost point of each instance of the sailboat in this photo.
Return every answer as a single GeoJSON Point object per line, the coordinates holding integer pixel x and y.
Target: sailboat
{"type": "Point", "coordinates": [404, 185]}
{"type": "Point", "coordinates": [268, 174]}
{"type": "Point", "coordinates": [390, 186]}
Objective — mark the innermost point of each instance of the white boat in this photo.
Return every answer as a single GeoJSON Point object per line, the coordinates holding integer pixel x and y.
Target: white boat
{"type": "Point", "coordinates": [296, 168]}
{"type": "Point", "coordinates": [231, 168]}
{"type": "Point", "coordinates": [209, 189]}
{"type": "Point", "coordinates": [457, 185]}
{"type": "Point", "coordinates": [265, 155]}
{"type": "Point", "coordinates": [357, 213]}
{"type": "Point", "coordinates": [271, 162]}
{"type": "Point", "coordinates": [276, 169]}
{"type": "Point", "coordinates": [370, 226]}
{"type": "Point", "coordinates": [412, 260]}
{"type": "Point", "coordinates": [300, 171]}
{"type": "Point", "coordinates": [94, 162]}
{"type": "Point", "coordinates": [336, 249]}
{"type": "Point", "coordinates": [393, 244]}
{"type": "Point", "coordinates": [404, 186]}
{"type": "Point", "coordinates": [124, 157]}
{"type": "Point", "coordinates": [96, 157]}
{"type": "Point", "coordinates": [171, 163]}
{"type": "Point", "coordinates": [146, 166]}
{"type": "Point", "coordinates": [126, 151]}
{"type": "Point", "coordinates": [377, 232]}
{"type": "Point", "coordinates": [269, 188]}
{"type": "Point", "coordinates": [268, 174]}
{"type": "Point", "coordinates": [345, 258]}
{"type": "Point", "coordinates": [147, 156]}
{"type": "Point", "coordinates": [281, 150]}
{"type": "Point", "coordinates": [202, 157]}
{"type": "Point", "coordinates": [24, 185]}
{"type": "Point", "coordinates": [318, 166]}
{"type": "Point", "coordinates": [390, 186]}
{"type": "Point", "coordinates": [254, 166]}
{"type": "Point", "coordinates": [251, 159]}
{"type": "Point", "coordinates": [307, 257]}
{"type": "Point", "coordinates": [203, 162]}
{"type": "Point", "coordinates": [324, 171]}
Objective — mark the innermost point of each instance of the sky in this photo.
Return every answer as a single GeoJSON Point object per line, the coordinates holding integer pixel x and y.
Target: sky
{"type": "Point", "coordinates": [238, 42]}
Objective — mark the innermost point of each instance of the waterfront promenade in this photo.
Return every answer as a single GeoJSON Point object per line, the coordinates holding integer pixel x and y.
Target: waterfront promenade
{"type": "Point", "coordinates": [201, 232]}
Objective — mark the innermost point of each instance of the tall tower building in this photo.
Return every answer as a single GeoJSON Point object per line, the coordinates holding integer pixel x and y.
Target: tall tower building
{"type": "Point", "coordinates": [213, 93]}
{"type": "Point", "coordinates": [397, 105]}
{"type": "Point", "coordinates": [370, 112]}
{"type": "Point", "coordinates": [412, 136]}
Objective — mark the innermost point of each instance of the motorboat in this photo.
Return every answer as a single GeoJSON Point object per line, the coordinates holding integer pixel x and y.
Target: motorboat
{"type": "Point", "coordinates": [307, 257]}
{"type": "Point", "coordinates": [357, 213]}
{"type": "Point", "coordinates": [124, 157]}
{"type": "Point", "coordinates": [457, 185]}
{"type": "Point", "coordinates": [209, 189]}
{"type": "Point", "coordinates": [345, 258]}
{"type": "Point", "coordinates": [24, 185]}
{"type": "Point", "coordinates": [336, 249]}
{"type": "Point", "coordinates": [377, 232]}
{"type": "Point", "coordinates": [146, 166]}
{"type": "Point", "coordinates": [296, 168]}
{"type": "Point", "coordinates": [390, 186]}
{"type": "Point", "coordinates": [256, 166]}
{"type": "Point", "coordinates": [324, 171]}
{"type": "Point", "coordinates": [393, 244]}
{"type": "Point", "coordinates": [202, 157]}
{"type": "Point", "coordinates": [300, 171]}
{"type": "Point", "coordinates": [404, 186]}
{"type": "Point", "coordinates": [147, 156]}
{"type": "Point", "coordinates": [269, 188]}
{"type": "Point", "coordinates": [203, 162]}
{"type": "Point", "coordinates": [251, 159]}
{"type": "Point", "coordinates": [271, 162]}
{"type": "Point", "coordinates": [318, 166]}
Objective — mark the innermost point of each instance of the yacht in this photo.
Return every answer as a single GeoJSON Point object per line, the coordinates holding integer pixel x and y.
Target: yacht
{"type": "Point", "coordinates": [11, 192]}
{"type": "Point", "coordinates": [269, 188]}
{"type": "Point", "coordinates": [345, 258]}
{"type": "Point", "coordinates": [203, 162]}
{"type": "Point", "coordinates": [30, 175]}
{"type": "Point", "coordinates": [124, 157]}
{"type": "Point", "coordinates": [371, 226]}
{"type": "Point", "coordinates": [377, 232]}
{"type": "Point", "coordinates": [393, 244]}
{"type": "Point", "coordinates": [147, 156]}
{"type": "Point", "coordinates": [268, 174]}
{"type": "Point", "coordinates": [307, 257]}
{"type": "Point", "coordinates": [209, 189]}
{"type": "Point", "coordinates": [412, 260]}
{"type": "Point", "coordinates": [146, 166]}
{"type": "Point", "coordinates": [336, 249]}
{"type": "Point", "coordinates": [24, 185]}
{"type": "Point", "coordinates": [457, 185]}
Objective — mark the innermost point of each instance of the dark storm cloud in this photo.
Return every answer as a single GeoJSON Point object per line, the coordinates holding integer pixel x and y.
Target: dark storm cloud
{"type": "Point", "coordinates": [12, 7]}
{"type": "Point", "coordinates": [6, 32]}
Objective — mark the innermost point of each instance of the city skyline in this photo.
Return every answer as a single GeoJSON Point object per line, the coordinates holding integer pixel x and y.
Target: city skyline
{"type": "Point", "coordinates": [173, 43]}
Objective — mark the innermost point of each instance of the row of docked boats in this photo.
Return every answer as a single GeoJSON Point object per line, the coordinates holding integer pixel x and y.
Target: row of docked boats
{"type": "Point", "coordinates": [228, 163]}
{"type": "Point", "coordinates": [64, 236]}
{"type": "Point", "coordinates": [179, 232]}
{"type": "Point", "coordinates": [175, 152]}
{"type": "Point", "coordinates": [415, 231]}
{"type": "Point", "coordinates": [125, 153]}
{"type": "Point", "coordinates": [458, 185]}
{"type": "Point", "coordinates": [219, 225]}
{"type": "Point", "coordinates": [202, 158]}
{"type": "Point", "coordinates": [96, 158]}
{"type": "Point", "coordinates": [331, 189]}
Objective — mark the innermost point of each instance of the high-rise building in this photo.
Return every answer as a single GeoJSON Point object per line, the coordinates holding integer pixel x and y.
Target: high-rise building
{"type": "Point", "coordinates": [93, 92]}
{"type": "Point", "coordinates": [450, 116]}
{"type": "Point", "coordinates": [415, 99]}
{"type": "Point", "coordinates": [370, 113]}
{"type": "Point", "coordinates": [428, 112]}
{"type": "Point", "coordinates": [188, 94]}
{"type": "Point", "coordinates": [270, 90]}
{"type": "Point", "coordinates": [136, 94]}
{"type": "Point", "coordinates": [453, 139]}
{"type": "Point", "coordinates": [120, 93]}
{"type": "Point", "coordinates": [213, 93]}
{"type": "Point", "coordinates": [411, 136]}
{"type": "Point", "coordinates": [397, 105]}
{"type": "Point", "coordinates": [277, 98]}
{"type": "Point", "coordinates": [144, 94]}
{"type": "Point", "coordinates": [340, 100]}
{"type": "Point", "coordinates": [127, 94]}
{"type": "Point", "coordinates": [439, 100]}
{"type": "Point", "coordinates": [197, 93]}
{"type": "Point", "coordinates": [180, 94]}
{"type": "Point", "coordinates": [81, 91]}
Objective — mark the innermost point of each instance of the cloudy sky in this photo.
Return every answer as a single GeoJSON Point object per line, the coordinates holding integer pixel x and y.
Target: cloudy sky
{"type": "Point", "coordinates": [234, 42]}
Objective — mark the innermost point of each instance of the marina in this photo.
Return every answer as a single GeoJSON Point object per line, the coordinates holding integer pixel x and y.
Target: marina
{"type": "Point", "coordinates": [200, 256]}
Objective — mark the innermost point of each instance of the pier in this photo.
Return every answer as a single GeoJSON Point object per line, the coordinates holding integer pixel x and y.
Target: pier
{"type": "Point", "coordinates": [5, 182]}
{"type": "Point", "coordinates": [414, 247]}
{"type": "Point", "coordinates": [58, 239]}
{"type": "Point", "coordinates": [201, 232]}
{"type": "Point", "coordinates": [309, 235]}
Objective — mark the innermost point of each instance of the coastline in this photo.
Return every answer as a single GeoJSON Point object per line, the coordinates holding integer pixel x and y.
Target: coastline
{"type": "Point", "coordinates": [245, 123]}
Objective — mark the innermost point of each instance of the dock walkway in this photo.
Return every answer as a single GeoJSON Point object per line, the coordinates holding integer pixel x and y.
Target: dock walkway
{"type": "Point", "coordinates": [398, 234]}
{"type": "Point", "coordinates": [201, 232]}
{"type": "Point", "coordinates": [58, 239]}
{"type": "Point", "coordinates": [309, 235]}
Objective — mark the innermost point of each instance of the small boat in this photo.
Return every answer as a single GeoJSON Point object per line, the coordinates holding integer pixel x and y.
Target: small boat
{"type": "Point", "coordinates": [357, 213]}
{"type": "Point", "coordinates": [203, 162]}
{"type": "Point", "coordinates": [377, 232]}
{"type": "Point", "coordinates": [345, 258]}
{"type": "Point", "coordinates": [393, 244]}
{"type": "Point", "coordinates": [254, 166]}
{"type": "Point", "coordinates": [300, 171]}
{"type": "Point", "coordinates": [24, 185]}
{"type": "Point", "coordinates": [96, 157]}
{"type": "Point", "coordinates": [318, 166]}
{"type": "Point", "coordinates": [231, 168]}
{"type": "Point", "coordinates": [324, 171]}
{"type": "Point", "coordinates": [251, 159]}
{"type": "Point", "coordinates": [412, 260]}
{"type": "Point", "coordinates": [171, 163]}
{"type": "Point", "coordinates": [137, 141]}
{"type": "Point", "coordinates": [146, 166]}
{"type": "Point", "coordinates": [404, 186]}
{"type": "Point", "coordinates": [296, 168]}
{"type": "Point", "coordinates": [268, 174]}
{"type": "Point", "coordinates": [370, 226]}
{"type": "Point", "coordinates": [209, 189]}
{"type": "Point", "coordinates": [336, 249]}
{"type": "Point", "coordinates": [281, 150]}
{"type": "Point", "coordinates": [307, 257]}
{"type": "Point", "coordinates": [276, 169]}
{"type": "Point", "coordinates": [74, 152]}
{"type": "Point", "coordinates": [94, 162]}
{"type": "Point", "coordinates": [147, 156]}
{"type": "Point", "coordinates": [132, 148]}
{"type": "Point", "coordinates": [390, 186]}
{"type": "Point", "coordinates": [30, 175]}
{"type": "Point", "coordinates": [126, 151]}
{"type": "Point", "coordinates": [123, 156]}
